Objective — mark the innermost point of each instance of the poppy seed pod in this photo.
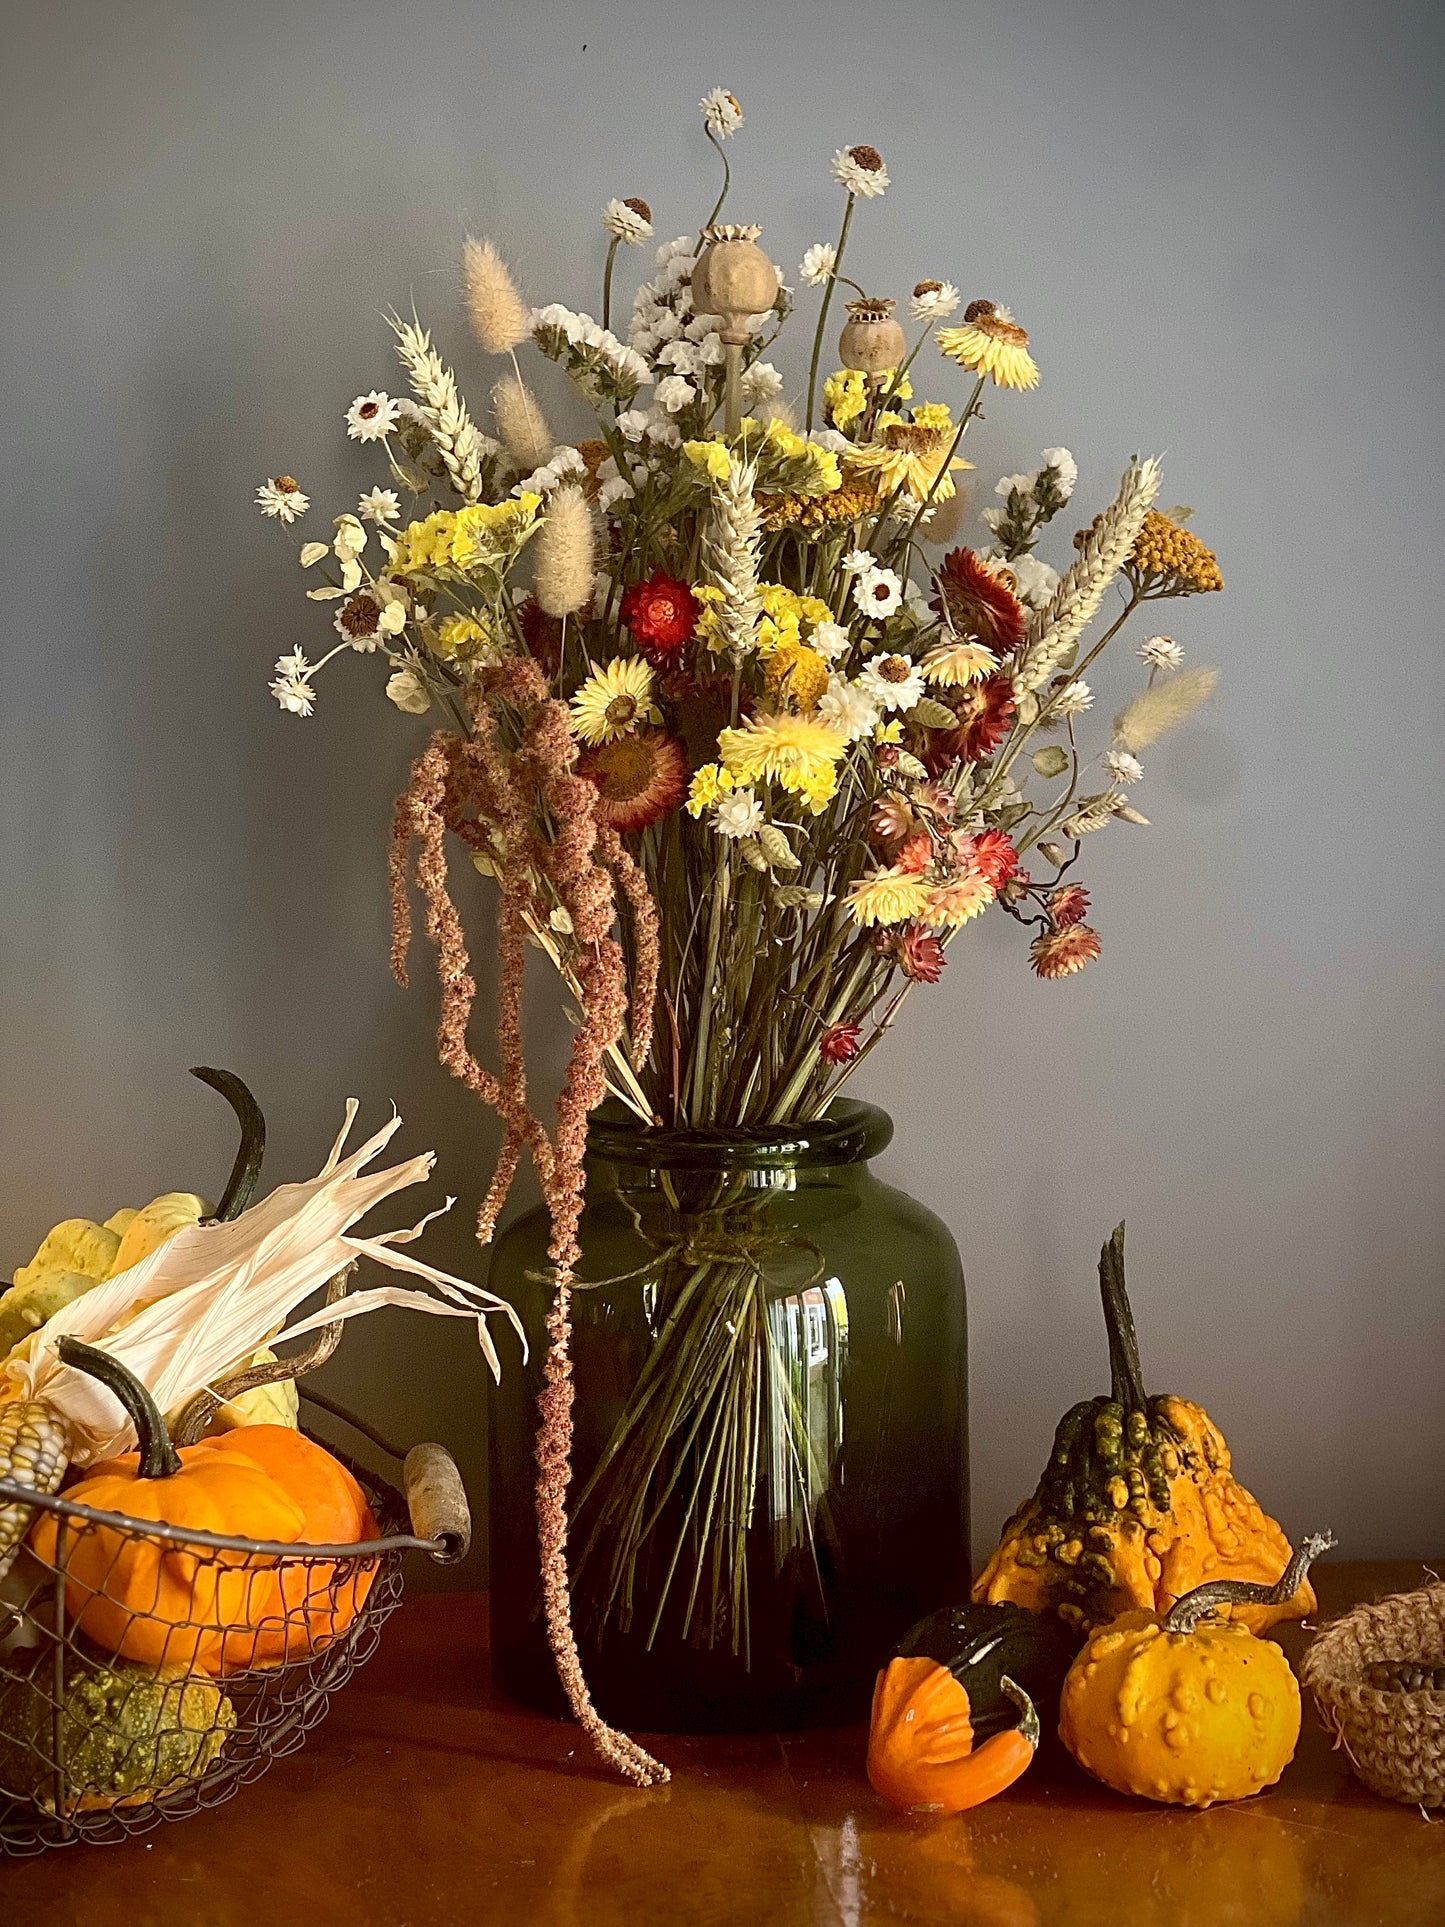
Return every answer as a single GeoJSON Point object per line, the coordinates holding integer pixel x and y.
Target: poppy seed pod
{"type": "Point", "coordinates": [733, 279]}
{"type": "Point", "coordinates": [871, 341]}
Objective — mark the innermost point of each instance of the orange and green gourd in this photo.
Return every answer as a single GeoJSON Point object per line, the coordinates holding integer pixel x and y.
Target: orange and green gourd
{"type": "Point", "coordinates": [921, 1750]}
{"type": "Point", "coordinates": [1188, 1707]}
{"type": "Point", "coordinates": [1137, 1506]}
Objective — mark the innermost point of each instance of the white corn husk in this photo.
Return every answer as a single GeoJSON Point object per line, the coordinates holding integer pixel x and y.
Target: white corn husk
{"type": "Point", "coordinates": [214, 1293]}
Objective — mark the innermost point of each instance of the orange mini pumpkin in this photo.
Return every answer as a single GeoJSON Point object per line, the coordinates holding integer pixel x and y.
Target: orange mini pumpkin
{"type": "Point", "coordinates": [167, 1605]}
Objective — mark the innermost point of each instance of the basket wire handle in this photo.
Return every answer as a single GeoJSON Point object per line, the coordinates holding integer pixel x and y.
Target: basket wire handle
{"type": "Point", "coordinates": [198, 1413]}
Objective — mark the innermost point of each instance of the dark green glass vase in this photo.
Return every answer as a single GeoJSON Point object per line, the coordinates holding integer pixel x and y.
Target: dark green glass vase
{"type": "Point", "coordinates": [771, 1456]}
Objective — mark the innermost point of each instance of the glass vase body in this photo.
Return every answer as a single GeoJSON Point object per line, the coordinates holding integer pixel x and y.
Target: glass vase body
{"type": "Point", "coordinates": [771, 1427]}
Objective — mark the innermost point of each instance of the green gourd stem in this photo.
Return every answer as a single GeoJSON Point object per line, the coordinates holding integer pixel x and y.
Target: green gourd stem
{"type": "Point", "coordinates": [1126, 1376]}
{"type": "Point", "coordinates": [1185, 1614]}
{"type": "Point", "coordinates": [246, 1171]}
{"type": "Point", "coordinates": [159, 1459]}
{"type": "Point", "coordinates": [1028, 1712]}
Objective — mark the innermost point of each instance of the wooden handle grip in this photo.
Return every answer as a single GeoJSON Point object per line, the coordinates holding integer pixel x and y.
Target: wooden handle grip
{"type": "Point", "coordinates": [437, 1501]}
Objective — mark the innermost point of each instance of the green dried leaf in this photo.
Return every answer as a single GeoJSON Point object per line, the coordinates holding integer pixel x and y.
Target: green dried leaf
{"type": "Point", "coordinates": [932, 714]}
{"type": "Point", "coordinates": [1051, 761]}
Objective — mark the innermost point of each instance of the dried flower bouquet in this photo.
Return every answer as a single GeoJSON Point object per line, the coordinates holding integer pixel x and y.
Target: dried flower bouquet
{"type": "Point", "coordinates": [741, 755]}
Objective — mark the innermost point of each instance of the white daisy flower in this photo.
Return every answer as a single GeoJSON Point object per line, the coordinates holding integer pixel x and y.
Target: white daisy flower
{"type": "Point", "coordinates": [372, 417]}
{"type": "Point", "coordinates": [818, 263]}
{"type": "Point", "coordinates": [408, 690]}
{"type": "Point", "coordinates": [1161, 652]}
{"type": "Point", "coordinates": [292, 687]}
{"type": "Point", "coordinates": [858, 561]}
{"type": "Point", "coordinates": [739, 814]}
{"type": "Point", "coordinates": [281, 498]}
{"type": "Point", "coordinates": [861, 171]}
{"type": "Point", "coordinates": [379, 505]}
{"type": "Point", "coordinates": [831, 640]}
{"type": "Point", "coordinates": [1072, 700]}
{"type": "Point", "coordinates": [1123, 767]}
{"type": "Point", "coordinates": [760, 383]}
{"type": "Point", "coordinates": [1066, 469]}
{"type": "Point", "coordinates": [629, 221]}
{"type": "Point", "coordinates": [878, 592]}
{"type": "Point", "coordinates": [893, 682]}
{"type": "Point", "coordinates": [311, 553]}
{"type": "Point", "coordinates": [934, 300]}
{"type": "Point", "coordinates": [721, 114]}
{"type": "Point", "coordinates": [674, 392]}
{"type": "Point", "coordinates": [848, 708]}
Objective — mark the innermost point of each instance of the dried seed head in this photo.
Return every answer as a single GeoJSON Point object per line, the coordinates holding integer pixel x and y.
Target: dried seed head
{"type": "Point", "coordinates": [494, 307]}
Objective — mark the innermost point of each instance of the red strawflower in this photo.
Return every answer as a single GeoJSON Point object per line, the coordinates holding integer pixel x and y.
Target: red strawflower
{"type": "Point", "coordinates": [994, 857]}
{"type": "Point", "coordinates": [662, 615]}
{"type": "Point", "coordinates": [1069, 904]}
{"type": "Point", "coordinates": [916, 855]}
{"type": "Point", "coordinates": [978, 602]}
{"type": "Point", "coordinates": [639, 778]}
{"type": "Point", "coordinates": [1059, 953]}
{"type": "Point", "coordinates": [839, 1043]}
{"type": "Point", "coordinates": [984, 710]}
{"type": "Point", "coordinates": [919, 954]}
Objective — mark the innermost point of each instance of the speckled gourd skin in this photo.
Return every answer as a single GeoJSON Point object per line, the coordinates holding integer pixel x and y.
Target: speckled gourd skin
{"type": "Point", "coordinates": [1137, 1506]}
{"type": "Point", "coordinates": [1188, 1718]}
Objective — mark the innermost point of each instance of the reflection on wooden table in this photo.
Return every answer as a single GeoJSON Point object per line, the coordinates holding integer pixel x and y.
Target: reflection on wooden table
{"type": "Point", "coordinates": [427, 1800]}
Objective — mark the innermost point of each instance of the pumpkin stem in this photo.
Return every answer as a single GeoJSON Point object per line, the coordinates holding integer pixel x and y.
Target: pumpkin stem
{"type": "Point", "coordinates": [1028, 1725]}
{"type": "Point", "coordinates": [159, 1459]}
{"type": "Point", "coordinates": [246, 1171]}
{"type": "Point", "coordinates": [1185, 1614]}
{"type": "Point", "coordinates": [1126, 1375]}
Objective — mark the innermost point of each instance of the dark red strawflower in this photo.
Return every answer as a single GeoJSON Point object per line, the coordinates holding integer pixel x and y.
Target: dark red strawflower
{"type": "Point", "coordinates": [978, 602]}
{"type": "Point", "coordinates": [919, 954]}
{"type": "Point", "coordinates": [542, 634]}
{"type": "Point", "coordinates": [839, 1043]}
{"type": "Point", "coordinates": [994, 857]}
{"type": "Point", "coordinates": [1069, 904]}
{"type": "Point", "coordinates": [662, 615]}
{"type": "Point", "coordinates": [984, 710]}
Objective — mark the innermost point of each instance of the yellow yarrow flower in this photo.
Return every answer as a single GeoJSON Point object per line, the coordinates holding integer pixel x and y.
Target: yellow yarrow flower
{"type": "Point", "coordinates": [482, 535]}
{"type": "Point", "coordinates": [798, 753]}
{"type": "Point", "coordinates": [710, 456]}
{"type": "Point", "coordinates": [465, 638]}
{"type": "Point", "coordinates": [614, 700]}
{"type": "Point", "coordinates": [797, 674]}
{"type": "Point", "coordinates": [888, 896]}
{"type": "Point", "coordinates": [708, 784]}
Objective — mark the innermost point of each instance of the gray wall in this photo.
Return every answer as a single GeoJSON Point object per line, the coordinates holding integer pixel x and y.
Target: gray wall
{"type": "Point", "coordinates": [1220, 222]}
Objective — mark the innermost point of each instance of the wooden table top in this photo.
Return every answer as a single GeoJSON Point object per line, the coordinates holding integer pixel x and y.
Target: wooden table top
{"type": "Point", "coordinates": [426, 1800]}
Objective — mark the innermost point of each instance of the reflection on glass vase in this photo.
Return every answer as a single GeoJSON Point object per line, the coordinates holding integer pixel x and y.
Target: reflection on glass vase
{"type": "Point", "coordinates": [771, 1460]}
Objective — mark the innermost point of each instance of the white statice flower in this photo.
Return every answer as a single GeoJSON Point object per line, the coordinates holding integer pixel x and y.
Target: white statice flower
{"type": "Point", "coordinates": [995, 520]}
{"type": "Point", "coordinates": [612, 485]}
{"type": "Point", "coordinates": [562, 465]}
{"type": "Point", "coordinates": [721, 114]}
{"type": "Point", "coordinates": [833, 441]}
{"type": "Point", "coordinates": [1035, 581]}
{"type": "Point", "coordinates": [878, 592]}
{"type": "Point", "coordinates": [738, 814]}
{"type": "Point", "coordinates": [281, 499]}
{"type": "Point", "coordinates": [861, 171]}
{"type": "Point", "coordinates": [683, 357]}
{"type": "Point", "coordinates": [674, 392]}
{"type": "Point", "coordinates": [626, 221]}
{"type": "Point", "coordinates": [1161, 652]}
{"type": "Point", "coordinates": [892, 681]}
{"type": "Point", "coordinates": [1066, 469]}
{"type": "Point", "coordinates": [292, 687]}
{"type": "Point", "coordinates": [408, 690]}
{"type": "Point", "coordinates": [858, 562]}
{"type": "Point", "coordinates": [661, 431]}
{"type": "Point", "coordinates": [371, 418]}
{"type": "Point", "coordinates": [667, 324]}
{"type": "Point", "coordinates": [934, 301]}
{"type": "Point", "coordinates": [818, 263]}
{"type": "Point", "coordinates": [710, 350]}
{"type": "Point", "coordinates": [312, 553]}
{"type": "Point", "coordinates": [761, 383]}
{"type": "Point", "coordinates": [1072, 700]}
{"type": "Point", "coordinates": [1006, 485]}
{"type": "Point", "coordinates": [848, 708]}
{"type": "Point", "coordinates": [1123, 767]}
{"type": "Point", "coordinates": [632, 424]}
{"type": "Point", "coordinates": [831, 640]}
{"type": "Point", "coordinates": [379, 505]}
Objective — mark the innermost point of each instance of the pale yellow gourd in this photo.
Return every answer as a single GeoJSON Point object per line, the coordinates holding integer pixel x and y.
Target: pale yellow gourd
{"type": "Point", "coordinates": [173, 1211]}
{"type": "Point", "coordinates": [75, 1244]}
{"type": "Point", "coordinates": [1186, 1707]}
{"type": "Point", "coordinates": [276, 1404]}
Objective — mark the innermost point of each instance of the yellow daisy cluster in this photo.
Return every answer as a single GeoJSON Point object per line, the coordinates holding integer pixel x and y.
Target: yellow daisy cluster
{"type": "Point", "coordinates": [708, 784]}
{"type": "Point", "coordinates": [465, 638]}
{"type": "Point", "coordinates": [814, 512]}
{"type": "Point", "coordinates": [454, 541]}
{"type": "Point", "coordinates": [798, 753]}
{"type": "Point", "coordinates": [846, 393]}
{"type": "Point", "coordinates": [786, 462]}
{"type": "Point", "coordinates": [1172, 560]}
{"type": "Point", "coordinates": [796, 674]}
{"type": "Point", "coordinates": [787, 617]}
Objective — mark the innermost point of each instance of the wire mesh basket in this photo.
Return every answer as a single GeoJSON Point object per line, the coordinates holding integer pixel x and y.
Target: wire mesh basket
{"type": "Point", "coordinates": [148, 1671]}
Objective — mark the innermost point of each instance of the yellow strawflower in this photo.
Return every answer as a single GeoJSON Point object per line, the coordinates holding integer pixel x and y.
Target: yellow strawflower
{"type": "Point", "coordinates": [911, 458]}
{"type": "Point", "coordinates": [614, 700]}
{"type": "Point", "coordinates": [708, 784]}
{"type": "Point", "coordinates": [797, 674]}
{"type": "Point", "coordinates": [798, 753]}
{"type": "Point", "coordinates": [954, 664]}
{"type": "Point", "coordinates": [991, 342]}
{"type": "Point", "coordinates": [888, 896]}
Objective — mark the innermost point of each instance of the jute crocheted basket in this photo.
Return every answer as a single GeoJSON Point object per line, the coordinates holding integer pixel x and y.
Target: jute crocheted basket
{"type": "Point", "coordinates": [1394, 1741]}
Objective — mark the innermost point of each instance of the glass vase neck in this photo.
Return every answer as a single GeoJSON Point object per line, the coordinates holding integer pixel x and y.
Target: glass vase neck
{"type": "Point", "coordinates": [851, 1133]}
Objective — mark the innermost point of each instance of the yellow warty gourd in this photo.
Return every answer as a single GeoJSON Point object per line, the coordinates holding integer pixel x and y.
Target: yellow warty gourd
{"type": "Point", "coordinates": [120, 1221]}
{"type": "Point", "coordinates": [75, 1244]}
{"type": "Point", "coordinates": [277, 1404]}
{"type": "Point", "coordinates": [157, 1221]}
